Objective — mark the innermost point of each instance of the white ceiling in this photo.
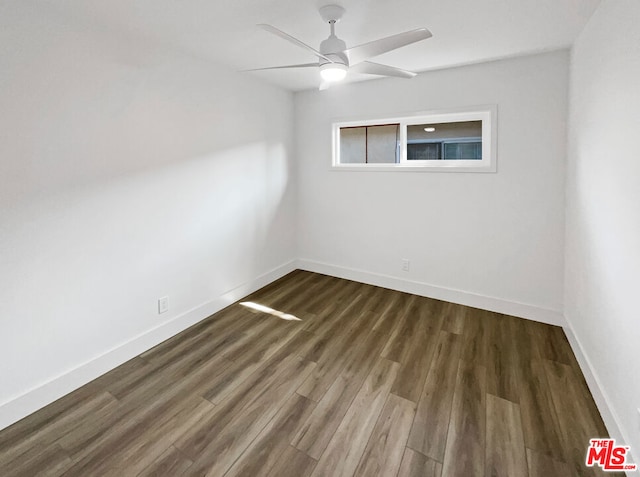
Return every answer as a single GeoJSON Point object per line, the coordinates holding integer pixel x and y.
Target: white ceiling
{"type": "Point", "coordinates": [464, 31]}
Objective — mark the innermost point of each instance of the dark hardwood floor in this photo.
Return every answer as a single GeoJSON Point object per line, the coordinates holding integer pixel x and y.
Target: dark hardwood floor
{"type": "Point", "coordinates": [368, 382]}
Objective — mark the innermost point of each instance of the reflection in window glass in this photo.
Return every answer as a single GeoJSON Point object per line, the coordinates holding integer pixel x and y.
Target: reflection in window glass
{"type": "Point", "coordinates": [353, 145]}
{"type": "Point", "coordinates": [445, 141]}
{"type": "Point", "coordinates": [369, 144]}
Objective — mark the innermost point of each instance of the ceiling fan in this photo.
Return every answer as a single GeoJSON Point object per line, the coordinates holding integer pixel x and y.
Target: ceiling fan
{"type": "Point", "coordinates": [335, 59]}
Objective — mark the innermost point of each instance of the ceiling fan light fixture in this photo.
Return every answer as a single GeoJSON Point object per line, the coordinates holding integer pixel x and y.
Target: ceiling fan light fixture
{"type": "Point", "coordinates": [333, 72]}
{"type": "Point", "coordinates": [335, 59]}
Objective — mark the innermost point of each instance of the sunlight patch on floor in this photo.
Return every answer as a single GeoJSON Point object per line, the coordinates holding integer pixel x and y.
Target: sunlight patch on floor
{"type": "Point", "coordinates": [271, 311]}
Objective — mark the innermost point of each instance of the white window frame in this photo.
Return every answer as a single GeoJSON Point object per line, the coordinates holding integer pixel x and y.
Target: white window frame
{"type": "Point", "coordinates": [488, 163]}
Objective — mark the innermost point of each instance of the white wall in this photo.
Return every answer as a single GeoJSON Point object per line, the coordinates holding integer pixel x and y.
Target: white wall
{"type": "Point", "coordinates": [494, 240]}
{"type": "Point", "coordinates": [127, 172]}
{"type": "Point", "coordinates": [603, 214]}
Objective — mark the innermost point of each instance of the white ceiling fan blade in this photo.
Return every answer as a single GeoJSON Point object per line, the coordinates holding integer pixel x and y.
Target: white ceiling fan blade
{"type": "Point", "coordinates": [303, 65]}
{"type": "Point", "coordinates": [382, 70]}
{"type": "Point", "coordinates": [295, 41]}
{"type": "Point", "coordinates": [360, 53]}
{"type": "Point", "coordinates": [324, 85]}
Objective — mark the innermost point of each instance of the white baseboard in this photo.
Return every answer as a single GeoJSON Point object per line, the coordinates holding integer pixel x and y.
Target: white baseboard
{"type": "Point", "coordinates": [600, 396]}
{"type": "Point", "coordinates": [521, 310]}
{"type": "Point", "coordinates": [29, 402]}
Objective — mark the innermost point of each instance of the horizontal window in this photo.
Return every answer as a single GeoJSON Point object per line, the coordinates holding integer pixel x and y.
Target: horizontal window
{"type": "Point", "coordinates": [440, 141]}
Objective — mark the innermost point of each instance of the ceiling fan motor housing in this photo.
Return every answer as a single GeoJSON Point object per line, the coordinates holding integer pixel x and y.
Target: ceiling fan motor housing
{"type": "Point", "coordinates": [333, 47]}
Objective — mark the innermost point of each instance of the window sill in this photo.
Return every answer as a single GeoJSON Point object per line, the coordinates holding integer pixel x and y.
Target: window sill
{"type": "Point", "coordinates": [456, 167]}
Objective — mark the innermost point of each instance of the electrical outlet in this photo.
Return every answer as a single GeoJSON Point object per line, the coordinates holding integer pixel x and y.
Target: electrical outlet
{"type": "Point", "coordinates": [163, 304]}
{"type": "Point", "coordinates": [405, 264]}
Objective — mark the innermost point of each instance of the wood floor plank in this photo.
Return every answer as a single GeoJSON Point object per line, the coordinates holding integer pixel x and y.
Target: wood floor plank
{"type": "Point", "coordinates": [144, 441]}
{"type": "Point", "coordinates": [542, 465]}
{"type": "Point", "coordinates": [154, 378]}
{"type": "Point", "coordinates": [37, 460]}
{"type": "Point", "coordinates": [263, 453]}
{"type": "Point", "coordinates": [396, 348]}
{"type": "Point", "coordinates": [188, 375]}
{"type": "Point", "coordinates": [465, 451]}
{"type": "Point", "coordinates": [292, 298]}
{"type": "Point", "coordinates": [48, 432]}
{"type": "Point", "coordinates": [382, 300]}
{"type": "Point", "coordinates": [291, 291]}
{"type": "Point", "coordinates": [55, 414]}
{"type": "Point", "coordinates": [431, 424]}
{"type": "Point", "coordinates": [413, 373]}
{"type": "Point", "coordinates": [388, 308]}
{"type": "Point", "coordinates": [428, 310]}
{"type": "Point", "coordinates": [160, 434]}
{"type": "Point", "coordinates": [147, 404]}
{"type": "Point", "coordinates": [217, 443]}
{"type": "Point", "coordinates": [577, 415]}
{"type": "Point", "coordinates": [344, 292]}
{"type": "Point", "coordinates": [502, 357]}
{"type": "Point", "coordinates": [333, 359]}
{"type": "Point", "coordinates": [343, 318]}
{"type": "Point", "coordinates": [292, 462]}
{"type": "Point", "coordinates": [524, 342]}
{"type": "Point", "coordinates": [122, 372]}
{"type": "Point", "coordinates": [316, 432]}
{"type": "Point", "coordinates": [414, 464]}
{"type": "Point", "coordinates": [87, 428]}
{"type": "Point", "coordinates": [476, 333]}
{"type": "Point", "coordinates": [337, 312]}
{"type": "Point", "coordinates": [384, 451]}
{"type": "Point", "coordinates": [232, 319]}
{"type": "Point", "coordinates": [319, 293]}
{"type": "Point", "coordinates": [268, 334]}
{"type": "Point", "coordinates": [551, 342]}
{"type": "Point", "coordinates": [345, 449]}
{"type": "Point", "coordinates": [264, 355]}
{"type": "Point", "coordinates": [180, 349]}
{"type": "Point", "coordinates": [335, 315]}
{"type": "Point", "coordinates": [540, 424]}
{"type": "Point", "coordinates": [245, 395]}
{"type": "Point", "coordinates": [418, 352]}
{"type": "Point", "coordinates": [172, 463]}
{"type": "Point", "coordinates": [505, 452]}
{"type": "Point", "coordinates": [454, 317]}
{"type": "Point", "coordinates": [292, 283]}
{"type": "Point", "coordinates": [92, 439]}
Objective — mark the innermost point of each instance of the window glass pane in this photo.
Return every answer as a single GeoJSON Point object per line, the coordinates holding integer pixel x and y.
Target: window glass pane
{"type": "Point", "coordinates": [353, 145]}
{"type": "Point", "coordinates": [426, 151]}
{"type": "Point", "coordinates": [382, 144]}
{"type": "Point", "coordinates": [369, 144]}
{"type": "Point", "coordinates": [462, 150]}
{"type": "Point", "coordinates": [445, 141]}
